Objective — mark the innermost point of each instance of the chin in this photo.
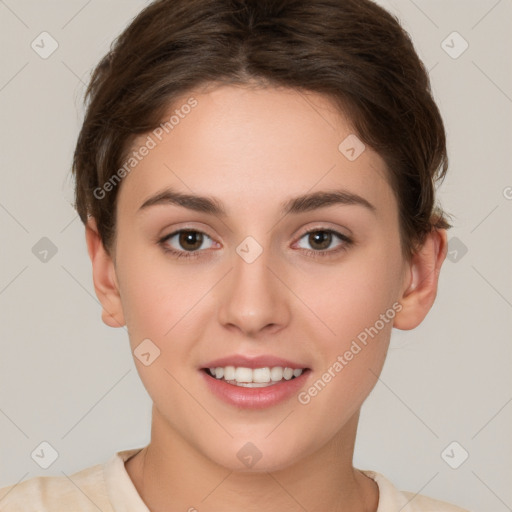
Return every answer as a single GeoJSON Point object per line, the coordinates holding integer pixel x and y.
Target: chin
{"type": "Point", "coordinates": [258, 456]}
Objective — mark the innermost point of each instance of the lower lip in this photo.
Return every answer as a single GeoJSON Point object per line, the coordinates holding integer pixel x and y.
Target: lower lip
{"type": "Point", "coordinates": [255, 398]}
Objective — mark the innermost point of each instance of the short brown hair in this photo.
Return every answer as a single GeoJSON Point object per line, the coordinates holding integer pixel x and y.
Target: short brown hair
{"type": "Point", "coordinates": [352, 51]}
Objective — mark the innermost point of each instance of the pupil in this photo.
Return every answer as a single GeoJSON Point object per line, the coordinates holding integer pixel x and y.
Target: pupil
{"type": "Point", "coordinates": [191, 237]}
{"type": "Point", "coordinates": [323, 238]}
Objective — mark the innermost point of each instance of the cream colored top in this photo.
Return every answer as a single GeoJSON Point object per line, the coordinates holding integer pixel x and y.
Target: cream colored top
{"type": "Point", "coordinates": [108, 488]}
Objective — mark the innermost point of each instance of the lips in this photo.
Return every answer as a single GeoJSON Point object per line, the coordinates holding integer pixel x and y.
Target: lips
{"type": "Point", "coordinates": [255, 395]}
{"type": "Point", "coordinates": [254, 362]}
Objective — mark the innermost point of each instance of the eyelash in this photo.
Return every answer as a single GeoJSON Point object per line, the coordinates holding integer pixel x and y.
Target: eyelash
{"type": "Point", "coordinates": [347, 242]}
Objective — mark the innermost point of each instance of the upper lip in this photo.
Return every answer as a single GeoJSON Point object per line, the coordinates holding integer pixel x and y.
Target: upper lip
{"type": "Point", "coordinates": [254, 362]}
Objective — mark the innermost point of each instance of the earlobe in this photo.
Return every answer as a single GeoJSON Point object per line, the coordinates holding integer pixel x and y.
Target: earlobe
{"type": "Point", "coordinates": [420, 285]}
{"type": "Point", "coordinates": [104, 277]}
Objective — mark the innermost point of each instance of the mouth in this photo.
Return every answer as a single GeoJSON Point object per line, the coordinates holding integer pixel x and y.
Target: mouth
{"type": "Point", "coordinates": [254, 381]}
{"type": "Point", "coordinates": [263, 377]}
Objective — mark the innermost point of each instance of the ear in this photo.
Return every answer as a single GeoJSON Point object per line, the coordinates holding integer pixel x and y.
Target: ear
{"type": "Point", "coordinates": [420, 285]}
{"type": "Point", "coordinates": [104, 277]}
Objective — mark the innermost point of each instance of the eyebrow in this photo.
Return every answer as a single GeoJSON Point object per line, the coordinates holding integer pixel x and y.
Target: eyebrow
{"type": "Point", "coordinates": [300, 204]}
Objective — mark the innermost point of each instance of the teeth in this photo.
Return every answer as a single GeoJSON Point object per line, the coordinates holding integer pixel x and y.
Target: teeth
{"type": "Point", "coordinates": [261, 375]}
{"type": "Point", "coordinates": [288, 373]}
{"type": "Point", "coordinates": [218, 371]}
{"type": "Point", "coordinates": [257, 377]}
{"type": "Point", "coordinates": [276, 373]}
{"type": "Point", "coordinates": [229, 372]}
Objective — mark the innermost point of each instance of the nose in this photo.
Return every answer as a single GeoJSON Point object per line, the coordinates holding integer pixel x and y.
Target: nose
{"type": "Point", "coordinates": [253, 299]}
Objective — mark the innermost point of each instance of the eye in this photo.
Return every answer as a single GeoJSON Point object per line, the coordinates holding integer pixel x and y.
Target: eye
{"type": "Point", "coordinates": [321, 239]}
{"type": "Point", "coordinates": [185, 242]}
{"type": "Point", "coordinates": [188, 243]}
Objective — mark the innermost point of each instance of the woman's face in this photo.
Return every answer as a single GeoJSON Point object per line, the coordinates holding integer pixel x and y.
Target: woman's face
{"type": "Point", "coordinates": [265, 279]}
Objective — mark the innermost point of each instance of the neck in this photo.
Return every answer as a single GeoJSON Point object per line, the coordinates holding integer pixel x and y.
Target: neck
{"type": "Point", "coordinates": [171, 472]}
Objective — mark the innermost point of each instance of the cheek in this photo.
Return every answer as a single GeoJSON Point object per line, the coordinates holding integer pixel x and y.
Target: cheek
{"type": "Point", "coordinates": [351, 296]}
{"type": "Point", "coordinates": [338, 391]}
{"type": "Point", "coordinates": [351, 360]}
{"type": "Point", "coordinates": [156, 294]}
{"type": "Point", "coordinates": [157, 300]}
{"type": "Point", "coordinates": [359, 306]}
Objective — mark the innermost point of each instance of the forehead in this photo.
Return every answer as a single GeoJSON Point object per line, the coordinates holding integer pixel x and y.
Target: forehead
{"type": "Point", "coordinates": [254, 144]}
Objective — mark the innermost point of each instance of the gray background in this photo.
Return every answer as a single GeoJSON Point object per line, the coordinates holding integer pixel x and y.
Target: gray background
{"type": "Point", "coordinates": [67, 379]}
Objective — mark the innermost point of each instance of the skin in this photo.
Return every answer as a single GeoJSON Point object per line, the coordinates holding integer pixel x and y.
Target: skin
{"type": "Point", "coordinates": [252, 149]}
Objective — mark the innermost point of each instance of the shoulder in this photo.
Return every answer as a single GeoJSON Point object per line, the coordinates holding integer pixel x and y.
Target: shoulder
{"type": "Point", "coordinates": [84, 490]}
{"type": "Point", "coordinates": [391, 499]}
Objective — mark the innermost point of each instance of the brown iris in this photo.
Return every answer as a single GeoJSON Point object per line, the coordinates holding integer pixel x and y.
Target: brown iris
{"type": "Point", "coordinates": [190, 240]}
{"type": "Point", "coordinates": [322, 238]}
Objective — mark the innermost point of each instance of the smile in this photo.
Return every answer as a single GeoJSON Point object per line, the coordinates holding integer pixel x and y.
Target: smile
{"type": "Point", "coordinates": [254, 377]}
{"type": "Point", "coordinates": [254, 388]}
